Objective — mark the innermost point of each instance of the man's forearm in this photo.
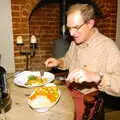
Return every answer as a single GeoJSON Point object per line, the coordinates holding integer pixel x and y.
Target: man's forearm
{"type": "Point", "coordinates": [60, 63]}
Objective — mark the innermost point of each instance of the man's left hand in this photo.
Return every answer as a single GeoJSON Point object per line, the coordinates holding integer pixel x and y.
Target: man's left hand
{"type": "Point", "coordinates": [79, 75]}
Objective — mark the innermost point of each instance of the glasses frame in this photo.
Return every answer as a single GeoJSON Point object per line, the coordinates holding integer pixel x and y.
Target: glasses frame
{"type": "Point", "coordinates": [76, 28]}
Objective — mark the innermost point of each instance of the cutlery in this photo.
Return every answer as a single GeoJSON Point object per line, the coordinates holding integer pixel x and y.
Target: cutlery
{"type": "Point", "coordinates": [42, 73]}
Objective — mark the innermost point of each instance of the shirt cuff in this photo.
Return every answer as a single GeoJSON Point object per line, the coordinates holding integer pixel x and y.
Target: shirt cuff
{"type": "Point", "coordinates": [104, 83]}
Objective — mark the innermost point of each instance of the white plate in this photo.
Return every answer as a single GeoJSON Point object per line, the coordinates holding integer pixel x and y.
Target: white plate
{"type": "Point", "coordinates": [22, 78]}
{"type": "Point", "coordinates": [41, 104]}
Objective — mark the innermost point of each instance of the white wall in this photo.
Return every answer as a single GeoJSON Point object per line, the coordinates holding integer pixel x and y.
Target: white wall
{"type": "Point", "coordinates": [118, 24]}
{"type": "Point", "coordinates": [6, 36]}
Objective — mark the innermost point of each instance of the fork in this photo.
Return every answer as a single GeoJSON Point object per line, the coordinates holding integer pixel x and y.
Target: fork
{"type": "Point", "coordinates": [42, 73]}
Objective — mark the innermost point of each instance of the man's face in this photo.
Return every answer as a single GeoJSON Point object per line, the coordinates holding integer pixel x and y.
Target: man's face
{"type": "Point", "coordinates": [77, 28]}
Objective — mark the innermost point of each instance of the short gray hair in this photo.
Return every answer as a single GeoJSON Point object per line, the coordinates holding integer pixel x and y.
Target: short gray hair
{"type": "Point", "coordinates": [87, 11]}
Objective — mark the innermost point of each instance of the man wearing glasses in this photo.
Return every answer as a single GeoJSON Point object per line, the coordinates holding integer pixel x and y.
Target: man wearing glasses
{"type": "Point", "coordinates": [92, 57]}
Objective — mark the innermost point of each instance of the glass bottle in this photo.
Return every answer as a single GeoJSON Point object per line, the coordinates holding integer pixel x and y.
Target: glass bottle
{"type": "Point", "coordinates": [5, 99]}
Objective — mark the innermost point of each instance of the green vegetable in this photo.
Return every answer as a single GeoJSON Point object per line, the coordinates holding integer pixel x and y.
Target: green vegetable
{"type": "Point", "coordinates": [32, 77]}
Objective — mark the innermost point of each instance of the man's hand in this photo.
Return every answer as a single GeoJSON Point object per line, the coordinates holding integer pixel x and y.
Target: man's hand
{"type": "Point", "coordinates": [79, 75]}
{"type": "Point", "coordinates": [52, 62]}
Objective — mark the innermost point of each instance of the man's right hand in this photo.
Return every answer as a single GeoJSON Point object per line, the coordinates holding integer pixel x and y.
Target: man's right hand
{"type": "Point", "coordinates": [52, 62]}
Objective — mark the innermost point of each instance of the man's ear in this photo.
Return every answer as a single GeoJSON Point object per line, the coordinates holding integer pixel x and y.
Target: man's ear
{"type": "Point", "coordinates": [91, 23]}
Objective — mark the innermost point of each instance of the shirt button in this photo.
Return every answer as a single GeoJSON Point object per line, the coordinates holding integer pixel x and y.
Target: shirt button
{"type": "Point", "coordinates": [84, 66]}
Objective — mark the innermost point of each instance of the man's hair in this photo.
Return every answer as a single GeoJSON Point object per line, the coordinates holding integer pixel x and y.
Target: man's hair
{"type": "Point", "coordinates": [87, 11]}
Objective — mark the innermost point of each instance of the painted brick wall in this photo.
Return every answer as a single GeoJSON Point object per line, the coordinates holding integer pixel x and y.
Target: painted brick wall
{"type": "Point", "coordinates": [44, 23]}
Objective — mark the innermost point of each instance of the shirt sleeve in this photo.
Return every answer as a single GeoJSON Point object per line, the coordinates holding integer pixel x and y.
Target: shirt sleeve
{"type": "Point", "coordinates": [68, 57]}
{"type": "Point", "coordinates": [111, 80]}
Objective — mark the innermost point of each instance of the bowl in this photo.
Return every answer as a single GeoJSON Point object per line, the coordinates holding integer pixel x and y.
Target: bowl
{"type": "Point", "coordinates": [44, 97]}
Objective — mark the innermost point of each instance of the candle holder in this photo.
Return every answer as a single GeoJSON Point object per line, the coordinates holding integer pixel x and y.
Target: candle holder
{"type": "Point", "coordinates": [31, 52]}
{"type": "Point", "coordinates": [33, 46]}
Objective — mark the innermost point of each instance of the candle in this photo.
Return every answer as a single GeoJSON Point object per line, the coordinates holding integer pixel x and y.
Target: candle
{"type": "Point", "coordinates": [63, 28]}
{"type": "Point", "coordinates": [19, 40]}
{"type": "Point", "coordinates": [33, 39]}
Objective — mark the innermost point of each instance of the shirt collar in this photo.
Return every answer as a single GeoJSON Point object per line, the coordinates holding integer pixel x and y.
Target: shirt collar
{"type": "Point", "coordinates": [90, 41]}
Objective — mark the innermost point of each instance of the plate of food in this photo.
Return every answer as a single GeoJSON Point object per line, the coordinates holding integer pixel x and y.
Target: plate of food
{"type": "Point", "coordinates": [33, 78]}
{"type": "Point", "coordinates": [44, 97]}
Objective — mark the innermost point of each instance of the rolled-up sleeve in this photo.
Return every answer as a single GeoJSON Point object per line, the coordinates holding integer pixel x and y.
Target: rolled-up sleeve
{"type": "Point", "coordinates": [111, 80]}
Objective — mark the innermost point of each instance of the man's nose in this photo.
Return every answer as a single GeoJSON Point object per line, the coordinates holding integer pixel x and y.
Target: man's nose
{"type": "Point", "coordinates": [72, 32]}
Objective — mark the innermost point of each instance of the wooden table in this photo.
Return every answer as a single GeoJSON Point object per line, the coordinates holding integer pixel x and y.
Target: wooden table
{"type": "Point", "coordinates": [63, 110]}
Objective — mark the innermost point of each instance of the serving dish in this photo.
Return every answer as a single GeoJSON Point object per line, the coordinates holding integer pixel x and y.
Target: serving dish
{"type": "Point", "coordinates": [22, 79]}
{"type": "Point", "coordinates": [44, 97]}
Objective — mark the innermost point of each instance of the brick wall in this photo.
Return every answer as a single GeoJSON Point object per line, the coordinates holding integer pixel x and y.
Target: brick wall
{"type": "Point", "coordinates": [107, 25]}
{"type": "Point", "coordinates": [44, 23]}
{"type": "Point", "coordinates": [21, 10]}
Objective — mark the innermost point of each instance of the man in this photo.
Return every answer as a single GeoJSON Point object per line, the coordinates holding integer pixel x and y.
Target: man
{"type": "Point", "coordinates": [92, 57]}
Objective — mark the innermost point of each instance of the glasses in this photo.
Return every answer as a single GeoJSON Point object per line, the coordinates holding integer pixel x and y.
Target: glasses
{"type": "Point", "coordinates": [75, 28]}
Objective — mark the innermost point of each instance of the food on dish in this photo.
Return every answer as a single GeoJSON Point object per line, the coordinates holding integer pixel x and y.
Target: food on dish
{"type": "Point", "coordinates": [35, 80]}
{"type": "Point", "coordinates": [22, 79]}
{"type": "Point", "coordinates": [44, 96]}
